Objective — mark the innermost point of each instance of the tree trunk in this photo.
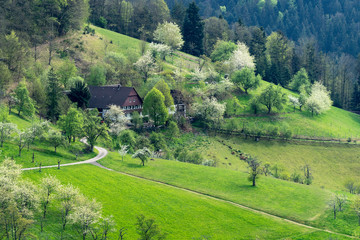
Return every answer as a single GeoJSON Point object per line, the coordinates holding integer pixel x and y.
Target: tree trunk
{"type": "Point", "coordinates": [55, 149]}
{"type": "Point", "coordinates": [19, 151]}
{"type": "Point", "coordinates": [254, 181]}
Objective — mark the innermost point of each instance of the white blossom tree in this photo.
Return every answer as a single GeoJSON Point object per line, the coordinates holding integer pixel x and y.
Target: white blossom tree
{"type": "Point", "coordinates": [85, 216]}
{"type": "Point", "coordinates": [6, 131]}
{"type": "Point", "coordinates": [294, 101]}
{"type": "Point", "coordinates": [116, 120]}
{"type": "Point", "coordinates": [159, 50]}
{"type": "Point", "coordinates": [169, 33]}
{"type": "Point", "coordinates": [209, 111]}
{"type": "Point", "coordinates": [48, 188]}
{"type": "Point", "coordinates": [240, 58]}
{"type": "Point", "coordinates": [67, 195]}
{"type": "Point", "coordinates": [319, 100]}
{"type": "Point", "coordinates": [146, 65]}
{"type": "Point", "coordinates": [124, 149]}
{"type": "Point", "coordinates": [143, 154]}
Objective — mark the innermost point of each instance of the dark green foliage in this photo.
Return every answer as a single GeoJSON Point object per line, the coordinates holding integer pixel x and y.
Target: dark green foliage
{"type": "Point", "coordinates": [192, 30]}
{"type": "Point", "coordinates": [272, 97]}
{"type": "Point", "coordinates": [127, 137]}
{"type": "Point", "coordinates": [53, 96]}
{"type": "Point", "coordinates": [148, 229]}
{"type": "Point", "coordinates": [257, 49]}
{"type": "Point", "coordinates": [214, 29]}
{"type": "Point", "coordinates": [80, 94]}
{"type": "Point", "coordinates": [158, 141]}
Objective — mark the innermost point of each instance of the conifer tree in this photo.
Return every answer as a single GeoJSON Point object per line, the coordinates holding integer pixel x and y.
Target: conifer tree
{"type": "Point", "coordinates": [53, 95]}
{"type": "Point", "coordinates": [193, 31]}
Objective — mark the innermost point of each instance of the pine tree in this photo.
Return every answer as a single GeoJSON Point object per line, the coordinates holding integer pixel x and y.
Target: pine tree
{"type": "Point", "coordinates": [53, 96]}
{"type": "Point", "coordinates": [193, 31]}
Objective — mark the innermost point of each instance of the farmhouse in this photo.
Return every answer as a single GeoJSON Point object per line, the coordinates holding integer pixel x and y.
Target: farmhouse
{"type": "Point", "coordinates": [125, 97]}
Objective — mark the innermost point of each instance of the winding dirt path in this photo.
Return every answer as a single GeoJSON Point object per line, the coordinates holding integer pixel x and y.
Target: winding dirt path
{"type": "Point", "coordinates": [103, 152]}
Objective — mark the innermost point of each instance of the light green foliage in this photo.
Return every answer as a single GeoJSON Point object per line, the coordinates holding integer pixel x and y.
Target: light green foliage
{"type": "Point", "coordinates": [93, 129]}
{"type": "Point", "coordinates": [273, 97]}
{"type": "Point", "coordinates": [246, 79]}
{"type": "Point", "coordinates": [356, 207]}
{"type": "Point", "coordinates": [143, 154]}
{"type": "Point", "coordinates": [97, 75]}
{"type": "Point", "coordinates": [233, 107]}
{"type": "Point", "coordinates": [222, 51]}
{"type": "Point", "coordinates": [6, 131]}
{"type": "Point", "coordinates": [136, 119]}
{"type": "Point", "coordinates": [4, 113]}
{"type": "Point", "coordinates": [24, 103]}
{"type": "Point", "coordinates": [169, 33]}
{"type": "Point", "coordinates": [300, 79]}
{"type": "Point", "coordinates": [127, 137]}
{"type": "Point", "coordinates": [66, 71]}
{"type": "Point", "coordinates": [55, 139]}
{"type": "Point", "coordinates": [14, 53]}
{"type": "Point", "coordinates": [71, 123]}
{"type": "Point", "coordinates": [173, 130]}
{"type": "Point", "coordinates": [5, 76]}
{"type": "Point", "coordinates": [162, 86]}
{"type": "Point", "coordinates": [72, 81]}
{"type": "Point", "coordinates": [154, 106]}
{"type": "Point", "coordinates": [158, 141]}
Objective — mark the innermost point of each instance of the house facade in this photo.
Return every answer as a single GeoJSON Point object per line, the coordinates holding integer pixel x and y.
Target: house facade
{"type": "Point", "coordinates": [102, 97]}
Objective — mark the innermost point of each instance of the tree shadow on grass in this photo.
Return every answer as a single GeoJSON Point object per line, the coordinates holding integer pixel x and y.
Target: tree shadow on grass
{"type": "Point", "coordinates": [133, 165]}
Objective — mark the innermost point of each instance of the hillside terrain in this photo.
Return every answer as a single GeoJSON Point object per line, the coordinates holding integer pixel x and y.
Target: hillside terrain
{"type": "Point", "coordinates": [231, 168]}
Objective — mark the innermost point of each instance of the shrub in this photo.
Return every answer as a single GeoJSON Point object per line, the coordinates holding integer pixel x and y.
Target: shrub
{"type": "Point", "coordinates": [285, 176]}
{"type": "Point", "coordinates": [296, 177]}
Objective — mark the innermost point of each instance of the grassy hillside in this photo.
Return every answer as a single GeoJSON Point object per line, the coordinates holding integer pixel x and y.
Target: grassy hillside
{"type": "Point", "coordinates": [181, 214]}
{"type": "Point", "coordinates": [282, 198]}
{"type": "Point", "coordinates": [272, 195]}
{"type": "Point", "coordinates": [335, 123]}
{"type": "Point", "coordinates": [43, 152]}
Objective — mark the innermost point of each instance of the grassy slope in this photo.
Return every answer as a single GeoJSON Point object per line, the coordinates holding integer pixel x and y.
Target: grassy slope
{"type": "Point", "coordinates": [181, 214]}
{"type": "Point", "coordinates": [335, 123]}
{"type": "Point", "coordinates": [43, 151]}
{"type": "Point", "coordinates": [272, 195]}
{"type": "Point", "coordinates": [331, 164]}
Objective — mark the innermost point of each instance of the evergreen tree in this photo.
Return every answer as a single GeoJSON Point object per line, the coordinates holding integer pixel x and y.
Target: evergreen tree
{"type": "Point", "coordinates": [257, 49]}
{"type": "Point", "coordinates": [193, 31]}
{"type": "Point", "coordinates": [53, 96]}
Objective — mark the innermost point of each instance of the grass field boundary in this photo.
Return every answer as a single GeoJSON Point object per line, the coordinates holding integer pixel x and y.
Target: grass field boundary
{"type": "Point", "coordinates": [276, 138]}
{"type": "Point", "coordinates": [226, 201]}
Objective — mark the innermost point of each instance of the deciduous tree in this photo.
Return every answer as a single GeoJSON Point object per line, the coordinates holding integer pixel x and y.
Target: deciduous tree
{"type": "Point", "coordinates": [24, 103]}
{"type": "Point", "coordinates": [143, 154]}
{"type": "Point", "coordinates": [71, 123]}
{"type": "Point", "coordinates": [272, 97]}
{"type": "Point", "coordinates": [169, 33]}
{"type": "Point", "coordinates": [94, 128]}
{"type": "Point", "coordinates": [154, 106]}
{"type": "Point", "coordinates": [246, 79]}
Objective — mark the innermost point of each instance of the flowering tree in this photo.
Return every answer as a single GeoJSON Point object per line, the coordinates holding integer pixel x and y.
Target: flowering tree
{"type": "Point", "coordinates": [319, 100]}
{"type": "Point", "coordinates": [294, 101]}
{"type": "Point", "coordinates": [116, 120]}
{"type": "Point", "coordinates": [124, 149]}
{"type": "Point", "coordinates": [240, 58]}
{"type": "Point", "coordinates": [143, 154]}
{"type": "Point", "coordinates": [169, 33]}
{"type": "Point", "coordinates": [159, 50]}
{"type": "Point", "coordinates": [146, 64]}
{"type": "Point", "coordinates": [209, 110]}
{"type": "Point", "coordinates": [6, 130]}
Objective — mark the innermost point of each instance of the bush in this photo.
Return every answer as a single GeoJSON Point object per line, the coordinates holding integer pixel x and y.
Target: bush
{"type": "Point", "coordinates": [158, 141]}
{"type": "Point", "coordinates": [274, 131]}
{"type": "Point", "coordinates": [288, 134]}
{"type": "Point", "coordinates": [296, 177]}
{"type": "Point", "coordinates": [196, 158]}
{"type": "Point", "coordinates": [285, 176]}
{"type": "Point", "coordinates": [209, 163]}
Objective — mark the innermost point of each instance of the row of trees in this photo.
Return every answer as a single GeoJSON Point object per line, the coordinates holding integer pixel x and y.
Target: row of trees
{"type": "Point", "coordinates": [25, 205]}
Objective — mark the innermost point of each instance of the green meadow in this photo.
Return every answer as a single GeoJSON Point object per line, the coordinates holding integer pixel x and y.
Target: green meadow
{"type": "Point", "coordinates": [182, 215]}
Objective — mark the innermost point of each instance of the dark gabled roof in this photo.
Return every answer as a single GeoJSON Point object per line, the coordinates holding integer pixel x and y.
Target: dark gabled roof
{"type": "Point", "coordinates": [104, 96]}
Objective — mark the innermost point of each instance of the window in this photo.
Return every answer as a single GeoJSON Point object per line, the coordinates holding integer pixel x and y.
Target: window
{"type": "Point", "coordinates": [130, 100]}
